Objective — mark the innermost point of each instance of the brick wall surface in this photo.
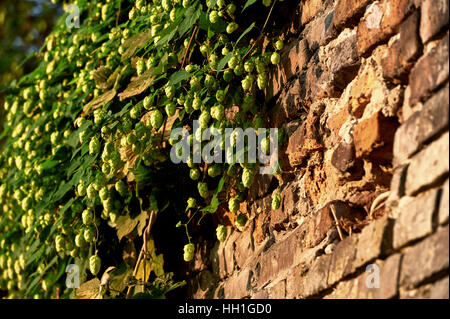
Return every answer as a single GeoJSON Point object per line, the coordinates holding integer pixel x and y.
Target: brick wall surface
{"type": "Point", "coordinates": [362, 93]}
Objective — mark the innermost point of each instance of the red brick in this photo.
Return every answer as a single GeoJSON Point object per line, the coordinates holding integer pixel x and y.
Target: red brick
{"type": "Point", "coordinates": [421, 126]}
{"type": "Point", "coordinates": [380, 21]}
{"type": "Point", "coordinates": [294, 58]}
{"type": "Point", "coordinates": [305, 139]}
{"type": "Point", "coordinates": [415, 218]}
{"type": "Point", "coordinates": [429, 72]}
{"type": "Point", "coordinates": [434, 17]}
{"type": "Point", "coordinates": [425, 259]}
{"type": "Point", "coordinates": [348, 12]}
{"type": "Point", "coordinates": [374, 137]}
{"type": "Point", "coordinates": [342, 260]}
{"type": "Point", "coordinates": [404, 50]}
{"type": "Point", "coordinates": [375, 240]}
{"type": "Point", "coordinates": [429, 166]}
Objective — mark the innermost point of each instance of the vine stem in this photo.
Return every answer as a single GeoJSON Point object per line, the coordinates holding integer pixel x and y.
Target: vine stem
{"type": "Point", "coordinates": [261, 34]}
{"type": "Point", "coordinates": [143, 250]}
{"type": "Point", "coordinates": [189, 45]}
{"type": "Point", "coordinates": [338, 226]}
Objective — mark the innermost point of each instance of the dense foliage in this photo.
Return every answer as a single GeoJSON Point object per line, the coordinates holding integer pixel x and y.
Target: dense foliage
{"type": "Point", "coordinates": [86, 164]}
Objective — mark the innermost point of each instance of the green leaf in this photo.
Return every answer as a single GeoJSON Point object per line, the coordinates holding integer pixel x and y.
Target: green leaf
{"type": "Point", "coordinates": [245, 32]}
{"type": "Point", "coordinates": [224, 61]}
{"type": "Point", "coordinates": [179, 76]}
{"type": "Point", "coordinates": [191, 16]}
{"type": "Point", "coordinates": [248, 4]}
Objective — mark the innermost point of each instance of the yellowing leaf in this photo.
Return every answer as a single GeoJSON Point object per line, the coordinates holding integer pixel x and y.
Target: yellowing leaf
{"type": "Point", "coordinates": [89, 290]}
{"type": "Point", "coordinates": [125, 224]}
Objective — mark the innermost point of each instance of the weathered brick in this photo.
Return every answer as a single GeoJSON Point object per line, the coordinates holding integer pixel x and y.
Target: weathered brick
{"type": "Point", "coordinates": [430, 71]}
{"type": "Point", "coordinates": [428, 166]}
{"type": "Point", "coordinates": [316, 279]}
{"type": "Point", "coordinates": [388, 278]}
{"type": "Point", "coordinates": [443, 206]}
{"type": "Point", "coordinates": [293, 279]}
{"type": "Point", "coordinates": [260, 186]}
{"type": "Point", "coordinates": [373, 138]}
{"type": "Point", "coordinates": [348, 12]}
{"type": "Point", "coordinates": [381, 20]}
{"type": "Point", "coordinates": [434, 17]}
{"type": "Point", "coordinates": [425, 259]}
{"type": "Point", "coordinates": [244, 247]}
{"type": "Point", "coordinates": [435, 290]}
{"type": "Point", "coordinates": [421, 126]}
{"type": "Point", "coordinates": [415, 218]}
{"type": "Point", "coordinates": [404, 49]}
{"type": "Point", "coordinates": [375, 240]}
{"type": "Point", "coordinates": [338, 64]}
{"type": "Point", "coordinates": [278, 291]}
{"type": "Point", "coordinates": [342, 260]}
{"type": "Point", "coordinates": [277, 258]}
{"type": "Point", "coordinates": [346, 289]}
{"type": "Point", "coordinates": [310, 8]}
{"type": "Point", "coordinates": [261, 294]}
{"type": "Point", "coordinates": [294, 58]}
{"type": "Point", "coordinates": [304, 140]}
{"type": "Point", "coordinates": [289, 200]}
{"type": "Point", "coordinates": [361, 91]}
{"type": "Point", "coordinates": [222, 256]}
{"type": "Point", "coordinates": [344, 159]}
{"type": "Point", "coordinates": [315, 31]}
{"type": "Point", "coordinates": [238, 286]}
{"type": "Point", "coordinates": [288, 105]}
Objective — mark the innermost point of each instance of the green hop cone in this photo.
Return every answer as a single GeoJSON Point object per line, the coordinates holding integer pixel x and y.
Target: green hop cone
{"type": "Point", "coordinates": [214, 170]}
{"type": "Point", "coordinates": [221, 233]}
{"type": "Point", "coordinates": [233, 204]}
{"type": "Point", "coordinates": [89, 235]}
{"type": "Point", "coordinates": [241, 220]}
{"type": "Point", "coordinates": [87, 216]}
{"type": "Point", "coordinates": [213, 16]}
{"type": "Point", "coordinates": [94, 264]}
{"type": "Point", "coordinates": [188, 250]}
{"type": "Point", "coordinates": [227, 75]}
{"type": "Point", "coordinates": [204, 119]}
{"type": "Point", "coordinates": [247, 177]}
{"type": "Point", "coordinates": [191, 202]}
{"type": "Point", "coordinates": [170, 91]}
{"type": "Point", "coordinates": [231, 27]}
{"type": "Point", "coordinates": [262, 81]}
{"type": "Point", "coordinates": [278, 45]}
{"type": "Point", "coordinates": [171, 108]}
{"type": "Point", "coordinates": [59, 243]}
{"type": "Point", "coordinates": [194, 174]}
{"type": "Point", "coordinates": [121, 188]}
{"type": "Point", "coordinates": [94, 146]}
{"type": "Point", "coordinates": [276, 200]}
{"type": "Point", "coordinates": [203, 189]}
{"type": "Point", "coordinates": [218, 112]}
{"type": "Point", "coordinates": [156, 119]}
{"type": "Point", "coordinates": [79, 240]}
{"type": "Point", "coordinates": [275, 58]}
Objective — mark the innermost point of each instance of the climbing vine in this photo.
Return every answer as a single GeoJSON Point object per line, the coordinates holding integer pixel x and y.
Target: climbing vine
{"type": "Point", "coordinates": [86, 162]}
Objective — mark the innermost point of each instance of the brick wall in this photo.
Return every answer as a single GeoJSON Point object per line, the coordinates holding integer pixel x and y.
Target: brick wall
{"type": "Point", "coordinates": [362, 93]}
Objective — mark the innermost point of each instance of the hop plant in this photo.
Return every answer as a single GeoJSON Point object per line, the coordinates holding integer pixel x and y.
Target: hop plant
{"type": "Point", "coordinates": [276, 200]}
{"type": "Point", "coordinates": [241, 220]}
{"type": "Point", "coordinates": [94, 264]}
{"type": "Point", "coordinates": [156, 119]}
{"type": "Point", "coordinates": [233, 204]}
{"type": "Point", "coordinates": [221, 233]}
{"type": "Point", "coordinates": [188, 252]}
